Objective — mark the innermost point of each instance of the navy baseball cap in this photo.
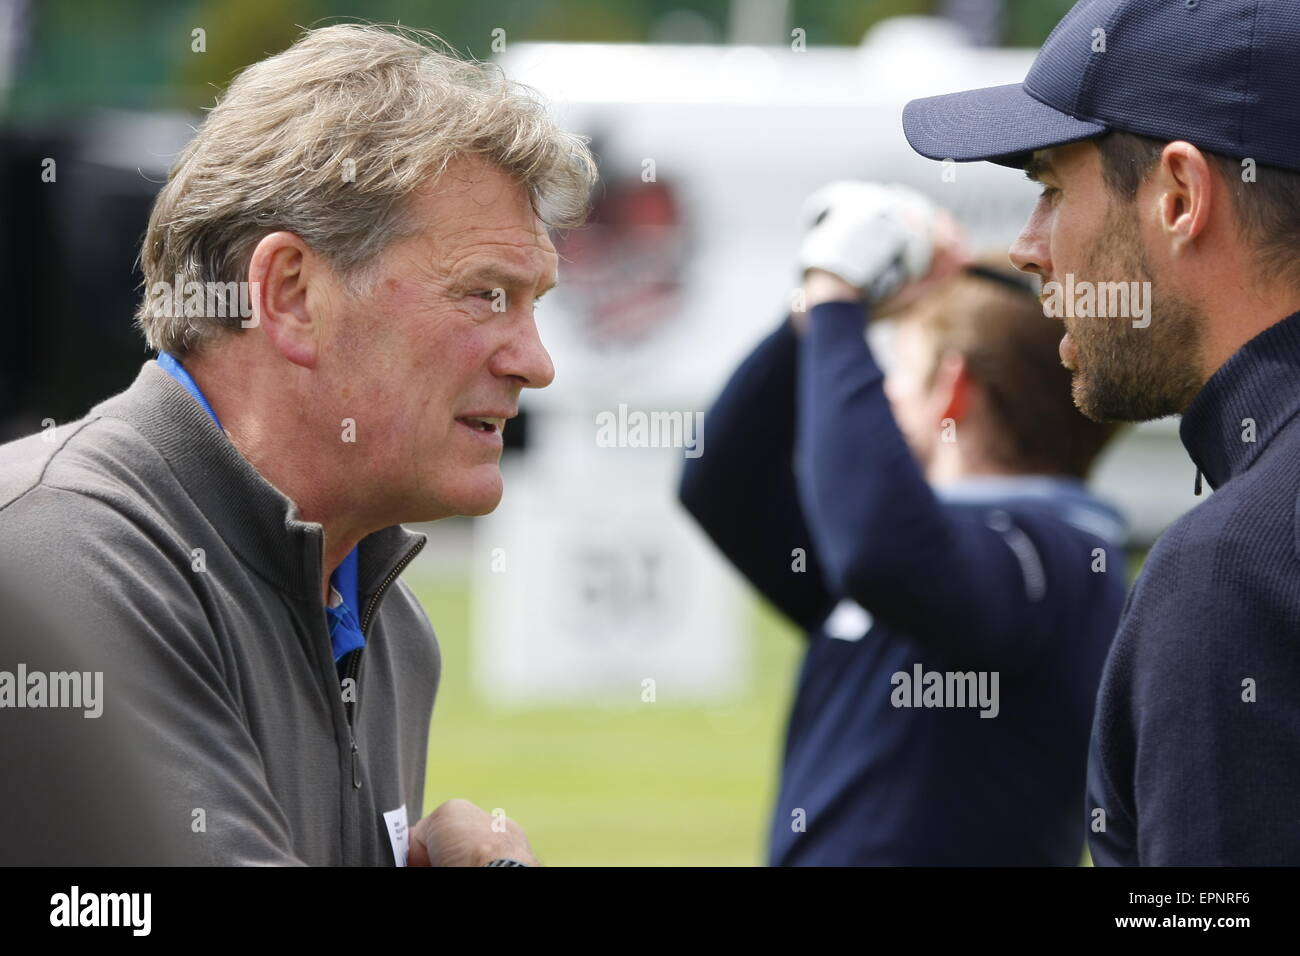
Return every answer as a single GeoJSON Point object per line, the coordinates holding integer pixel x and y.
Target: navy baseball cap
{"type": "Point", "coordinates": [1223, 75]}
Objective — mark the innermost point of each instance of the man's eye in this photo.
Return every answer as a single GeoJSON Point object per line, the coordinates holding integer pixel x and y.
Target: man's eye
{"type": "Point", "coordinates": [498, 295]}
{"type": "Point", "coordinates": [1050, 193]}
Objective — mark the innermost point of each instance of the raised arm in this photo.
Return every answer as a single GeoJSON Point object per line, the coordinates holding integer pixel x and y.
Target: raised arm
{"type": "Point", "coordinates": [742, 490]}
{"type": "Point", "coordinates": [971, 581]}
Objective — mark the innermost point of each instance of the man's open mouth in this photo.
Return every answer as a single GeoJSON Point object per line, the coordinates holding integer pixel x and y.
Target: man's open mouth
{"type": "Point", "coordinates": [483, 424]}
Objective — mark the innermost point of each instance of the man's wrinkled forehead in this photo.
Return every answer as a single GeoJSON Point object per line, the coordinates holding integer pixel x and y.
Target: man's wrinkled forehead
{"type": "Point", "coordinates": [517, 251]}
{"type": "Point", "coordinates": [512, 273]}
{"type": "Point", "coordinates": [472, 195]}
{"type": "Point", "coordinates": [486, 222]}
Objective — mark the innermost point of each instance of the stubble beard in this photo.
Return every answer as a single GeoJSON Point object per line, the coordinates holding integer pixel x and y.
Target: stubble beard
{"type": "Point", "coordinates": [1127, 374]}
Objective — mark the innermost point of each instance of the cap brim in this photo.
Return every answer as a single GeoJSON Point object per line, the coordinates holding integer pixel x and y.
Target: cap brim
{"type": "Point", "coordinates": [1000, 124]}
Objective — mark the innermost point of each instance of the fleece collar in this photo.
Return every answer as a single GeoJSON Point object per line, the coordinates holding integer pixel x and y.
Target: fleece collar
{"type": "Point", "coordinates": [1245, 403]}
{"type": "Point", "coordinates": [259, 522]}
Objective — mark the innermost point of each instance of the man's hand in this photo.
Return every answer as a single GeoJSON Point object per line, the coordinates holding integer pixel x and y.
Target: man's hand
{"type": "Point", "coordinates": [821, 286]}
{"type": "Point", "coordinates": [885, 245]}
{"type": "Point", "coordinates": [460, 834]}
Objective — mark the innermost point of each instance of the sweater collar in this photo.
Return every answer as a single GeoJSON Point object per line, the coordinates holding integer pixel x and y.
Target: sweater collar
{"type": "Point", "coordinates": [1068, 496]}
{"type": "Point", "coordinates": [1245, 403]}
{"type": "Point", "coordinates": [255, 518]}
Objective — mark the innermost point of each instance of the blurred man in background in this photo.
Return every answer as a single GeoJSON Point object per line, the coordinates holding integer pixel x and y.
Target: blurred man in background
{"type": "Point", "coordinates": [340, 279]}
{"type": "Point", "coordinates": [1191, 192]}
{"type": "Point", "coordinates": [931, 533]}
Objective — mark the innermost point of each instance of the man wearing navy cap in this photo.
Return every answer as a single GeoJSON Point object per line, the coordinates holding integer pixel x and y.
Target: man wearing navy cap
{"type": "Point", "coordinates": [1163, 134]}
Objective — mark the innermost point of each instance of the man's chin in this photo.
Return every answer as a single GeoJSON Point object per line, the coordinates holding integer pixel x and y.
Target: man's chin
{"type": "Point", "coordinates": [480, 507]}
{"type": "Point", "coordinates": [479, 497]}
{"type": "Point", "coordinates": [1086, 398]}
{"type": "Point", "coordinates": [1109, 404]}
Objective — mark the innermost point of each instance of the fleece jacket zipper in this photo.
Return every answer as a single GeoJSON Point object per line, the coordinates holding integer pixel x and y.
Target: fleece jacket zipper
{"type": "Point", "coordinates": [354, 665]}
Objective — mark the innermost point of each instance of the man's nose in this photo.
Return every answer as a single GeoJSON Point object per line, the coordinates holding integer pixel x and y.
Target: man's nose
{"type": "Point", "coordinates": [1031, 250]}
{"type": "Point", "coordinates": [526, 358]}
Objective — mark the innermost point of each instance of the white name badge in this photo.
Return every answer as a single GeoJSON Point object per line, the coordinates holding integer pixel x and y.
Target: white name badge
{"type": "Point", "coordinates": [849, 621]}
{"type": "Point", "coordinates": [395, 821]}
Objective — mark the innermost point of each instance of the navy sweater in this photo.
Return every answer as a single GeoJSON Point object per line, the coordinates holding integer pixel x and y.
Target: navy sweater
{"type": "Point", "coordinates": [1195, 753]}
{"type": "Point", "coordinates": [853, 545]}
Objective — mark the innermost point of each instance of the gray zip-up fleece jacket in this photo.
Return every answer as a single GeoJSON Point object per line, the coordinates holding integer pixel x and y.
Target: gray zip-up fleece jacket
{"type": "Point", "coordinates": [198, 584]}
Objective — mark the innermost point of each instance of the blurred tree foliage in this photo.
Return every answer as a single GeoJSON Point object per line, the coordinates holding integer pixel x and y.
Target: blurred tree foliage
{"type": "Point", "coordinates": [1029, 21]}
{"type": "Point", "coordinates": [137, 54]}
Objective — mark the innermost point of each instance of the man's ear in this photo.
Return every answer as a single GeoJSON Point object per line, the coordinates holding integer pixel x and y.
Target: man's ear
{"type": "Point", "coordinates": [281, 272]}
{"type": "Point", "coordinates": [1185, 193]}
{"type": "Point", "coordinates": [952, 386]}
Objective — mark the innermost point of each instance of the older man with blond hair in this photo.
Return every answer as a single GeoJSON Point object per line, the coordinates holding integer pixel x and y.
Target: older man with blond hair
{"type": "Point", "coordinates": [340, 275]}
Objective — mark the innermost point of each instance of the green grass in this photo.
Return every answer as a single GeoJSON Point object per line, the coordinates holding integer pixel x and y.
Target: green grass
{"type": "Point", "coordinates": [647, 785]}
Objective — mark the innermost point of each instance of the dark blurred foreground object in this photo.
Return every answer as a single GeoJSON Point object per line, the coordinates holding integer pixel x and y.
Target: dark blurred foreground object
{"type": "Point", "coordinates": [75, 789]}
{"type": "Point", "coordinates": [71, 216]}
